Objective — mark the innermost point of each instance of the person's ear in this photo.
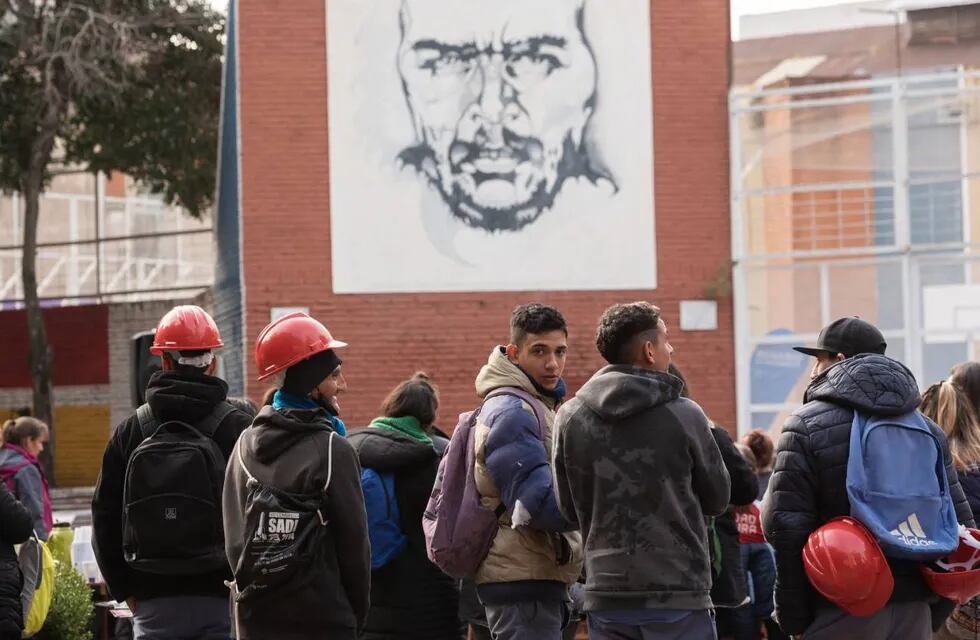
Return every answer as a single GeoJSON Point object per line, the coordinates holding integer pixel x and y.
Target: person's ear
{"type": "Point", "coordinates": [840, 358]}
{"type": "Point", "coordinates": [648, 353]}
{"type": "Point", "coordinates": [212, 367]}
{"type": "Point", "coordinates": [512, 351]}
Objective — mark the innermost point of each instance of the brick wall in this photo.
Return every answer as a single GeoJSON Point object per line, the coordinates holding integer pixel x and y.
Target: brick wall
{"type": "Point", "coordinates": [91, 344]}
{"type": "Point", "coordinates": [126, 320]}
{"type": "Point", "coordinates": [285, 162]}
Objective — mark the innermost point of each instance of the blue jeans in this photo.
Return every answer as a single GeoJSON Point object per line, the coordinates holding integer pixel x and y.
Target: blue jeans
{"type": "Point", "coordinates": [760, 574]}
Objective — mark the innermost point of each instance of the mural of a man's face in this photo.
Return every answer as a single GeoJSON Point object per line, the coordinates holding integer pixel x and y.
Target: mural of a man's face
{"type": "Point", "coordinates": [500, 92]}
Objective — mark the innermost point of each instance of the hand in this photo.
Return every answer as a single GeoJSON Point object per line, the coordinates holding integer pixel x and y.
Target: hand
{"type": "Point", "coordinates": [131, 603]}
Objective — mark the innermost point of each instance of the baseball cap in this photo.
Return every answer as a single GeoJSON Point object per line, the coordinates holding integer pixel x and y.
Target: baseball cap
{"type": "Point", "coordinates": [850, 336]}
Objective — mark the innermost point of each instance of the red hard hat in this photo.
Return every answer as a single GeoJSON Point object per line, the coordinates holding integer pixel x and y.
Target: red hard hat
{"type": "Point", "coordinates": [957, 576]}
{"type": "Point", "coordinates": [289, 340]}
{"type": "Point", "coordinates": [186, 328]}
{"type": "Point", "coordinates": [845, 564]}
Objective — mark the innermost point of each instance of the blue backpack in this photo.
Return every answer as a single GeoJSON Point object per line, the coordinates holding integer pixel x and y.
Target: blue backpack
{"type": "Point", "coordinates": [897, 486]}
{"type": "Point", "coordinates": [384, 524]}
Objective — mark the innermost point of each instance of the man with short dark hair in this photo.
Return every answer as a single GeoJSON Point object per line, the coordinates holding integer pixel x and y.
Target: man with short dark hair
{"type": "Point", "coordinates": [636, 467]}
{"type": "Point", "coordinates": [523, 582]}
{"type": "Point", "coordinates": [166, 604]}
{"type": "Point", "coordinates": [808, 486]}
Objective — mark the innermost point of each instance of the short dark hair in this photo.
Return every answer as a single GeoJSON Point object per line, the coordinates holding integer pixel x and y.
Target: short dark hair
{"type": "Point", "coordinates": [619, 328]}
{"type": "Point", "coordinates": [416, 397]}
{"type": "Point", "coordinates": [535, 318]}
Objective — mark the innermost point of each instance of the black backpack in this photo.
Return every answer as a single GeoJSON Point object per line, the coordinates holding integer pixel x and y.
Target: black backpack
{"type": "Point", "coordinates": [285, 537]}
{"type": "Point", "coordinates": [172, 496]}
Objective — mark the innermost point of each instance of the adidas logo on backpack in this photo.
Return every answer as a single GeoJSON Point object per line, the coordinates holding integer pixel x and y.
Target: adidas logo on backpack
{"type": "Point", "coordinates": [896, 473]}
{"type": "Point", "coordinates": [911, 533]}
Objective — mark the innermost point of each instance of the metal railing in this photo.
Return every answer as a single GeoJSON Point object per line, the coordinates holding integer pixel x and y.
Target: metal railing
{"type": "Point", "coordinates": [100, 249]}
{"type": "Point", "coordinates": [851, 198]}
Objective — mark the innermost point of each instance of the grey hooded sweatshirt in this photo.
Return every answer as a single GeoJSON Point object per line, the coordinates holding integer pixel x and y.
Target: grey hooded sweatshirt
{"type": "Point", "coordinates": [636, 467]}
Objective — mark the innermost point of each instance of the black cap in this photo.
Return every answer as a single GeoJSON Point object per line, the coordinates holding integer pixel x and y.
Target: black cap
{"type": "Point", "coordinates": [850, 336]}
{"type": "Point", "coordinates": [306, 375]}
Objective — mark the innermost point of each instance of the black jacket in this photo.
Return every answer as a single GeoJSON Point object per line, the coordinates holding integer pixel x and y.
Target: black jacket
{"type": "Point", "coordinates": [410, 597]}
{"type": "Point", "coordinates": [16, 526]}
{"type": "Point", "coordinates": [970, 480]}
{"type": "Point", "coordinates": [728, 588]}
{"type": "Point", "coordinates": [808, 485]}
{"type": "Point", "coordinates": [290, 450]}
{"type": "Point", "coordinates": [188, 397]}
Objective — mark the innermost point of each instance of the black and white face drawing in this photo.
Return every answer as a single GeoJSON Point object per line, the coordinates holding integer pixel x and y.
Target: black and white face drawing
{"type": "Point", "coordinates": [501, 93]}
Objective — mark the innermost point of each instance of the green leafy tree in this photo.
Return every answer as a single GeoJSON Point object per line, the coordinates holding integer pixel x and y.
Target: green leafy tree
{"type": "Point", "coordinates": [105, 85]}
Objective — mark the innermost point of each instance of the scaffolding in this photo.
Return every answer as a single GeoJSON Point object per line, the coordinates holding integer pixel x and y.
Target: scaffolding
{"type": "Point", "coordinates": [858, 197]}
{"type": "Point", "coordinates": [99, 248]}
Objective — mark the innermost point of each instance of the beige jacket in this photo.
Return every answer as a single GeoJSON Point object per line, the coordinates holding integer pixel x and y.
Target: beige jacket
{"type": "Point", "coordinates": [522, 552]}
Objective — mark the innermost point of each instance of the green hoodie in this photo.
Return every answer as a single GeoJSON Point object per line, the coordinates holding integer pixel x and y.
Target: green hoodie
{"type": "Point", "coordinates": [406, 425]}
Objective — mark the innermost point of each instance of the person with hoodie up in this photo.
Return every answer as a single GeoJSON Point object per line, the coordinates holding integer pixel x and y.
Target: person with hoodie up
{"type": "Point", "coordinates": [410, 597]}
{"type": "Point", "coordinates": [156, 512]}
{"type": "Point", "coordinates": [295, 526]}
{"type": "Point", "coordinates": [637, 468]}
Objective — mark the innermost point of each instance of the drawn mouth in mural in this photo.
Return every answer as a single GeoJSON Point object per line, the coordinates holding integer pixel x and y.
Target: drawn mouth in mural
{"type": "Point", "coordinates": [483, 163]}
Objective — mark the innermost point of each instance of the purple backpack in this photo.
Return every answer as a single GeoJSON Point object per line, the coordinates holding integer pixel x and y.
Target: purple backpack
{"type": "Point", "coordinates": [459, 531]}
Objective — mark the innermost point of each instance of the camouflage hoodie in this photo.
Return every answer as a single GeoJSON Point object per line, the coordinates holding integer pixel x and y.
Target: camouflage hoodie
{"type": "Point", "coordinates": [637, 468]}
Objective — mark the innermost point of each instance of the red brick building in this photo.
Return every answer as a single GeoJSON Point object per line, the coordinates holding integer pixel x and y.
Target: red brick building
{"type": "Point", "coordinates": [274, 225]}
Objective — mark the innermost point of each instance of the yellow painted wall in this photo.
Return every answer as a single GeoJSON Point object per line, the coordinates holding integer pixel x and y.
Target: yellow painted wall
{"type": "Point", "coordinates": [82, 432]}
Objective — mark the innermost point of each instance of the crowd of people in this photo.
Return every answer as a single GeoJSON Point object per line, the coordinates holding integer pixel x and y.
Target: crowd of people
{"type": "Point", "coordinates": [625, 505]}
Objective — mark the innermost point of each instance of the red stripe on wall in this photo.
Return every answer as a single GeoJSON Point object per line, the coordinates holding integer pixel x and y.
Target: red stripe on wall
{"type": "Point", "coordinates": [79, 341]}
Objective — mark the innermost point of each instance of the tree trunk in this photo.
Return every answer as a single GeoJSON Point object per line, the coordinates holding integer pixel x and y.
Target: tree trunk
{"type": "Point", "coordinates": [39, 357]}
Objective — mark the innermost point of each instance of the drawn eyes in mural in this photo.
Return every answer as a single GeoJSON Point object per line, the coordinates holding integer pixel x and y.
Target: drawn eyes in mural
{"type": "Point", "coordinates": [501, 94]}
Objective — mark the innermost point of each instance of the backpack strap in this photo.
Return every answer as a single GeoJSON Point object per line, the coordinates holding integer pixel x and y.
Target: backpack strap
{"type": "Point", "coordinates": [319, 512]}
{"type": "Point", "coordinates": [536, 405]}
{"type": "Point", "coordinates": [209, 425]}
{"type": "Point", "coordinates": [147, 421]}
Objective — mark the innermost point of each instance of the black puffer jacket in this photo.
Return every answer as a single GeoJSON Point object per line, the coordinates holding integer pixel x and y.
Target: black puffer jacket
{"type": "Point", "coordinates": [808, 485]}
{"type": "Point", "coordinates": [15, 527]}
{"type": "Point", "coordinates": [728, 588]}
{"type": "Point", "coordinates": [410, 597]}
{"type": "Point", "coordinates": [970, 480]}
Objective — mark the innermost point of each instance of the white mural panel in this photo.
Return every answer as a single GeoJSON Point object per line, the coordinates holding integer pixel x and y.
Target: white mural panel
{"type": "Point", "coordinates": [490, 145]}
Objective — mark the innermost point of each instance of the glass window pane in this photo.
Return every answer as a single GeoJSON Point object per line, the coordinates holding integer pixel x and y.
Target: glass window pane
{"type": "Point", "coordinates": [783, 300]}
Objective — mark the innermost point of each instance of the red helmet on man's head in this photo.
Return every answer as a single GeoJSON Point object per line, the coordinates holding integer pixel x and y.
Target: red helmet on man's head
{"type": "Point", "coordinates": [845, 565]}
{"type": "Point", "coordinates": [186, 328]}
{"type": "Point", "coordinates": [957, 576]}
{"type": "Point", "coordinates": [289, 340]}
